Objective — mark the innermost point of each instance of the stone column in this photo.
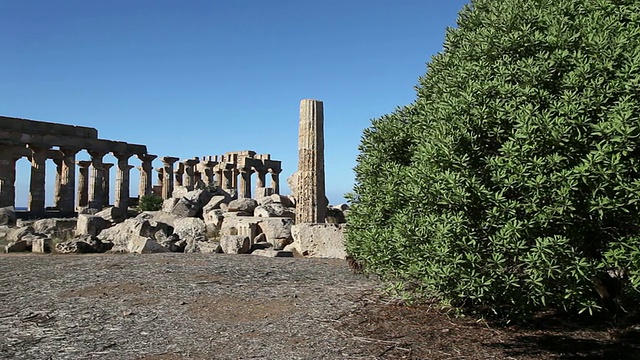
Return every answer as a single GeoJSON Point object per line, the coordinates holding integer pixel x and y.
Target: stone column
{"type": "Point", "coordinates": [260, 178]}
{"type": "Point", "coordinates": [67, 181]}
{"type": "Point", "coordinates": [220, 176]}
{"type": "Point", "coordinates": [8, 177]}
{"type": "Point", "coordinates": [275, 180]}
{"type": "Point", "coordinates": [179, 172]}
{"type": "Point", "coordinates": [57, 183]}
{"type": "Point", "coordinates": [83, 183]}
{"type": "Point", "coordinates": [189, 171]}
{"type": "Point", "coordinates": [167, 184]}
{"type": "Point", "coordinates": [96, 184]}
{"type": "Point", "coordinates": [244, 191]}
{"type": "Point", "coordinates": [311, 204]}
{"type": "Point", "coordinates": [36, 184]}
{"type": "Point", "coordinates": [122, 181]}
{"type": "Point", "coordinates": [207, 171]}
{"type": "Point", "coordinates": [146, 185]}
{"type": "Point", "coordinates": [227, 184]}
{"type": "Point", "coordinates": [106, 184]}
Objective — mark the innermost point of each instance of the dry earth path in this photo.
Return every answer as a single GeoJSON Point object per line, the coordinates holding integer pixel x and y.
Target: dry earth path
{"type": "Point", "coordinates": [176, 306]}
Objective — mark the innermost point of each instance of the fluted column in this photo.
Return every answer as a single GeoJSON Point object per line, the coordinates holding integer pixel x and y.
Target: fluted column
{"type": "Point", "coordinates": [220, 176]}
{"type": "Point", "coordinates": [167, 184]}
{"type": "Point", "coordinates": [260, 179]}
{"type": "Point", "coordinates": [123, 170]}
{"type": "Point", "coordinates": [106, 183]}
{"type": "Point", "coordinates": [189, 172]}
{"type": "Point", "coordinates": [83, 183]}
{"type": "Point", "coordinates": [275, 180]}
{"type": "Point", "coordinates": [57, 183]}
{"type": "Point", "coordinates": [67, 181]}
{"type": "Point", "coordinates": [311, 203]}
{"type": "Point", "coordinates": [207, 171]}
{"type": "Point", "coordinates": [8, 177]}
{"type": "Point", "coordinates": [179, 174]}
{"type": "Point", "coordinates": [244, 191]}
{"type": "Point", "coordinates": [146, 176]}
{"type": "Point", "coordinates": [37, 181]}
{"type": "Point", "coordinates": [96, 184]}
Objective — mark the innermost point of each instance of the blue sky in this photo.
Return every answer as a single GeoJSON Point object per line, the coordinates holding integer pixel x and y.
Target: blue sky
{"type": "Point", "coordinates": [194, 77]}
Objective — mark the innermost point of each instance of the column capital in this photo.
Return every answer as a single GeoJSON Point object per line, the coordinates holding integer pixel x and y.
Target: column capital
{"type": "Point", "coordinates": [191, 162]}
{"type": "Point", "coordinates": [107, 166]}
{"type": "Point", "coordinates": [84, 163]}
{"type": "Point", "coordinates": [146, 157]}
{"type": "Point", "coordinates": [97, 153]}
{"type": "Point", "coordinates": [169, 160]}
{"type": "Point", "coordinates": [122, 155]}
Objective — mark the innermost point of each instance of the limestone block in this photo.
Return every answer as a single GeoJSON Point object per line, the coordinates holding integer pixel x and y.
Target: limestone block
{"type": "Point", "coordinates": [168, 204]}
{"type": "Point", "coordinates": [214, 217]}
{"type": "Point", "coordinates": [140, 245]}
{"type": "Point", "coordinates": [319, 240]}
{"type": "Point", "coordinates": [60, 229]}
{"type": "Point", "coordinates": [190, 229]}
{"type": "Point", "coordinates": [292, 182]}
{"type": "Point", "coordinates": [179, 191]}
{"type": "Point", "coordinates": [277, 231]}
{"type": "Point", "coordinates": [41, 245]}
{"type": "Point", "coordinates": [204, 247]}
{"type": "Point", "coordinates": [341, 207]}
{"type": "Point", "coordinates": [215, 202]}
{"type": "Point", "coordinates": [246, 205]}
{"type": "Point", "coordinates": [4, 231]}
{"type": "Point", "coordinates": [18, 233]}
{"type": "Point", "coordinates": [7, 215]}
{"type": "Point", "coordinates": [285, 200]}
{"type": "Point", "coordinates": [272, 253]}
{"type": "Point", "coordinates": [18, 246]}
{"type": "Point", "coordinates": [273, 210]}
{"type": "Point", "coordinates": [235, 244]}
{"type": "Point", "coordinates": [84, 244]}
{"type": "Point", "coordinates": [113, 215]}
{"type": "Point", "coordinates": [231, 224]}
{"type": "Point", "coordinates": [91, 225]}
{"type": "Point", "coordinates": [191, 204]}
{"type": "Point", "coordinates": [263, 192]}
{"type": "Point", "coordinates": [265, 200]}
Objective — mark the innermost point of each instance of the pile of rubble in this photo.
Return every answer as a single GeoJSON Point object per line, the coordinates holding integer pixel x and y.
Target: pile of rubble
{"type": "Point", "coordinates": [190, 221]}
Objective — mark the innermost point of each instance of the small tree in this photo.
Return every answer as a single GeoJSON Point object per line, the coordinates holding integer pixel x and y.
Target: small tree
{"type": "Point", "coordinates": [150, 203]}
{"type": "Point", "coordinates": [513, 181]}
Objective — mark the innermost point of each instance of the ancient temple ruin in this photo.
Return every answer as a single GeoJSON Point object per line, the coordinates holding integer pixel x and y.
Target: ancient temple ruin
{"type": "Point", "coordinates": [39, 141]}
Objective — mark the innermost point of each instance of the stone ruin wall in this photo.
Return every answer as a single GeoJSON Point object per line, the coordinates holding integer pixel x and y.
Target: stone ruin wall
{"type": "Point", "coordinates": [39, 141]}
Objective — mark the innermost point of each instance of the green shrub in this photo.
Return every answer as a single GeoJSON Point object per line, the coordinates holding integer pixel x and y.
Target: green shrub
{"type": "Point", "coordinates": [150, 203]}
{"type": "Point", "coordinates": [513, 181]}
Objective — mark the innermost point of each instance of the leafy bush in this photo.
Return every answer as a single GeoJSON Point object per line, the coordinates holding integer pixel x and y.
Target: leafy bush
{"type": "Point", "coordinates": [150, 203]}
{"type": "Point", "coordinates": [513, 181]}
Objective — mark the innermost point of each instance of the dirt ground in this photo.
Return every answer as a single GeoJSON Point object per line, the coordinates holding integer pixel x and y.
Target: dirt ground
{"type": "Point", "coordinates": [195, 306]}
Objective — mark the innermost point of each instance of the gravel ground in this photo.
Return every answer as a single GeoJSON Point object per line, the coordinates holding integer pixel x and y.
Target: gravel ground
{"type": "Point", "coordinates": [178, 306]}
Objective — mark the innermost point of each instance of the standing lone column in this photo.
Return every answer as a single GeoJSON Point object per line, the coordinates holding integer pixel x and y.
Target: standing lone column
{"type": "Point", "coordinates": [36, 185]}
{"type": "Point", "coordinates": [83, 183]}
{"type": "Point", "coordinates": [167, 183]}
{"type": "Point", "coordinates": [146, 176]}
{"type": "Point", "coordinates": [95, 180]}
{"type": "Point", "coordinates": [67, 181]}
{"type": "Point", "coordinates": [311, 203]}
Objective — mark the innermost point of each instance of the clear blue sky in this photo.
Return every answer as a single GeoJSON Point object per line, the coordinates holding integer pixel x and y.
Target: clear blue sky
{"type": "Point", "coordinates": [203, 77]}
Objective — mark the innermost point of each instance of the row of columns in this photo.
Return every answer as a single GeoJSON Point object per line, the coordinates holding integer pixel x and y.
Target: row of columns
{"type": "Point", "coordinates": [93, 182]}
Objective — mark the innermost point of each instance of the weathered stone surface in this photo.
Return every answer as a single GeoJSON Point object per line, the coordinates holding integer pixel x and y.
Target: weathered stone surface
{"type": "Point", "coordinates": [214, 217]}
{"type": "Point", "coordinates": [292, 183]}
{"type": "Point", "coordinates": [341, 207]}
{"type": "Point", "coordinates": [285, 200]}
{"type": "Point", "coordinates": [204, 247]}
{"type": "Point", "coordinates": [319, 240]}
{"type": "Point", "coordinates": [18, 246]}
{"type": "Point", "coordinates": [215, 202]}
{"type": "Point", "coordinates": [179, 191]}
{"type": "Point", "coordinates": [168, 204]}
{"type": "Point", "coordinates": [191, 203]}
{"type": "Point", "coordinates": [272, 253]}
{"type": "Point", "coordinates": [18, 233]}
{"type": "Point", "coordinates": [273, 210]}
{"type": "Point", "coordinates": [85, 244]}
{"type": "Point", "coordinates": [235, 244]}
{"type": "Point", "coordinates": [310, 191]}
{"type": "Point", "coordinates": [141, 245]}
{"type": "Point", "coordinates": [7, 215]}
{"type": "Point", "coordinates": [277, 231]}
{"type": "Point", "coordinates": [41, 245]}
{"type": "Point", "coordinates": [91, 225]}
{"type": "Point", "coordinates": [335, 216]}
{"type": "Point", "coordinates": [59, 229]}
{"type": "Point", "coordinates": [231, 224]}
{"type": "Point", "coordinates": [265, 200]}
{"type": "Point", "coordinates": [246, 205]}
{"type": "Point", "coordinates": [190, 229]}
{"type": "Point", "coordinates": [4, 231]}
{"type": "Point", "coordinates": [113, 215]}
{"type": "Point", "coordinates": [141, 227]}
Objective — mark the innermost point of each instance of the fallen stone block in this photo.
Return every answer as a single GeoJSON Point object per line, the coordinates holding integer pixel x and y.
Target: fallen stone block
{"type": "Point", "coordinates": [319, 240]}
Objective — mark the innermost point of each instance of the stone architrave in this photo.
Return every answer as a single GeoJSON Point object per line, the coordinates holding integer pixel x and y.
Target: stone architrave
{"type": "Point", "coordinates": [106, 183]}
{"type": "Point", "coordinates": [146, 176]}
{"type": "Point", "coordinates": [167, 183]}
{"type": "Point", "coordinates": [37, 182]}
{"type": "Point", "coordinates": [311, 205]}
{"type": "Point", "coordinates": [96, 197]}
{"type": "Point", "coordinates": [8, 177]}
{"type": "Point", "coordinates": [122, 181]}
{"type": "Point", "coordinates": [189, 172]}
{"type": "Point", "coordinates": [67, 181]}
{"type": "Point", "coordinates": [83, 183]}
